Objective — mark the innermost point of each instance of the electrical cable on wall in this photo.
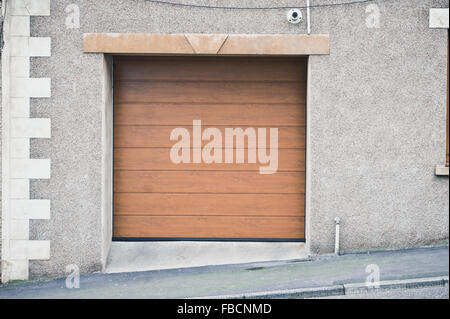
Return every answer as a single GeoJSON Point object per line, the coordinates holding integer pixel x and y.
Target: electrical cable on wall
{"type": "Point", "coordinates": [179, 4]}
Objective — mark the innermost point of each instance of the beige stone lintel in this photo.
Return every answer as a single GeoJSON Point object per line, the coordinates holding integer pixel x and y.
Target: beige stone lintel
{"type": "Point", "coordinates": [220, 44]}
{"type": "Point", "coordinates": [441, 170]}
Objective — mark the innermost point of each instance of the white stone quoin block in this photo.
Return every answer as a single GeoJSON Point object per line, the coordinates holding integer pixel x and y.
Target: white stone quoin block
{"type": "Point", "coordinates": [20, 66]}
{"type": "Point", "coordinates": [40, 47]}
{"type": "Point", "coordinates": [30, 249]}
{"type": "Point", "coordinates": [31, 127]}
{"type": "Point", "coordinates": [20, 229]}
{"type": "Point", "coordinates": [18, 249]}
{"type": "Point", "coordinates": [439, 18]}
{"type": "Point", "coordinates": [19, 46]}
{"type": "Point", "coordinates": [20, 148]}
{"type": "Point", "coordinates": [20, 188]}
{"type": "Point", "coordinates": [30, 208]}
{"type": "Point", "coordinates": [18, 269]}
{"type": "Point", "coordinates": [30, 168]}
{"type": "Point", "coordinates": [29, 7]}
{"type": "Point", "coordinates": [20, 26]}
{"type": "Point", "coordinates": [26, 46]}
{"type": "Point", "coordinates": [20, 107]}
{"type": "Point", "coordinates": [38, 249]}
{"type": "Point", "coordinates": [30, 87]}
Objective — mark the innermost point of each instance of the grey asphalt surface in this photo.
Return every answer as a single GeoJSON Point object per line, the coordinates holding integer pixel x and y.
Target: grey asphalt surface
{"type": "Point", "coordinates": [244, 278]}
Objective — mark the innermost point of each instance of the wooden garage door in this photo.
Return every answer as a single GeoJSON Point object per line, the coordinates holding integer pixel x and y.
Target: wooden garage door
{"type": "Point", "coordinates": [156, 199]}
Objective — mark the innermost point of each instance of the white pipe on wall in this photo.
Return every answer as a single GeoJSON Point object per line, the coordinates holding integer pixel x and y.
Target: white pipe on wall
{"type": "Point", "coordinates": [337, 221]}
{"type": "Point", "coordinates": [308, 20]}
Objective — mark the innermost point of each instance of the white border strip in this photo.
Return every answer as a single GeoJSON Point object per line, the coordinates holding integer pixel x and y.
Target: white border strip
{"type": "Point", "coordinates": [17, 166]}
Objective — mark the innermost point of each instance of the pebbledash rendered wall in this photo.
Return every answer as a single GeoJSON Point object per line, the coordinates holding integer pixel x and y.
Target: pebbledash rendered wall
{"type": "Point", "coordinates": [377, 111]}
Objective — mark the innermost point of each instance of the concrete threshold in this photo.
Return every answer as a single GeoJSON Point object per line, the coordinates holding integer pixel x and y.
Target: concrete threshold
{"type": "Point", "coordinates": [158, 255]}
{"type": "Point", "coordinates": [337, 290]}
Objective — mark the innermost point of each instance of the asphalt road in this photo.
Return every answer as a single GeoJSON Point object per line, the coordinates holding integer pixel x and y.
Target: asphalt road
{"type": "Point", "coordinates": [321, 271]}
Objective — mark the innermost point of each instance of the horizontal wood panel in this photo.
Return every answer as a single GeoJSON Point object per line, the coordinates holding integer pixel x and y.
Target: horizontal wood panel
{"type": "Point", "coordinates": [159, 136]}
{"type": "Point", "coordinates": [209, 227]}
{"type": "Point", "coordinates": [232, 115]}
{"type": "Point", "coordinates": [209, 204]}
{"type": "Point", "coordinates": [210, 92]}
{"type": "Point", "coordinates": [240, 69]}
{"type": "Point", "coordinates": [159, 159]}
{"type": "Point", "coordinates": [208, 182]}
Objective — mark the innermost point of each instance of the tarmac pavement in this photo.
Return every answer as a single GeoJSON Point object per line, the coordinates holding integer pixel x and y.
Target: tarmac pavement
{"type": "Point", "coordinates": [321, 276]}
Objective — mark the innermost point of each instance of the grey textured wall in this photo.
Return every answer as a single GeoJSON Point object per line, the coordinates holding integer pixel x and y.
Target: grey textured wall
{"type": "Point", "coordinates": [377, 121]}
{"type": "Point", "coordinates": [378, 128]}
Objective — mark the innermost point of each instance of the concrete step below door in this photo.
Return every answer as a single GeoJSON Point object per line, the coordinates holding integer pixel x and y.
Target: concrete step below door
{"type": "Point", "coordinates": [143, 256]}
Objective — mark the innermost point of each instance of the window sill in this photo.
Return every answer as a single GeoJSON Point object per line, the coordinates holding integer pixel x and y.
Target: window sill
{"type": "Point", "coordinates": [441, 170]}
